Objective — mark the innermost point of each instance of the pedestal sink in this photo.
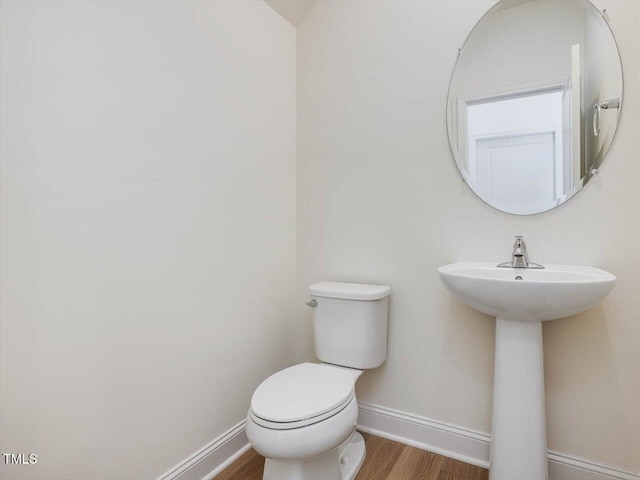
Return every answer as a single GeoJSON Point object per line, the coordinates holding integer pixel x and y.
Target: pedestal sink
{"type": "Point", "coordinates": [521, 299]}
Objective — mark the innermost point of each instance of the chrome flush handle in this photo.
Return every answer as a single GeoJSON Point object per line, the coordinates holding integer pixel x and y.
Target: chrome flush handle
{"type": "Point", "coordinates": [312, 303]}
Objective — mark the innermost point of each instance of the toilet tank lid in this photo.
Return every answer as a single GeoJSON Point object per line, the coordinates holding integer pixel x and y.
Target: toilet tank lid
{"type": "Point", "coordinates": [349, 291]}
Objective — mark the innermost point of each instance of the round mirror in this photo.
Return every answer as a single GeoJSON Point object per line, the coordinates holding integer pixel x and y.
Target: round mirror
{"type": "Point", "coordinates": [534, 102]}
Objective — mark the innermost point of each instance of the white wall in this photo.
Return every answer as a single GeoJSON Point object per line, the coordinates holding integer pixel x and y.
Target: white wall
{"type": "Point", "coordinates": [380, 200]}
{"type": "Point", "coordinates": [148, 228]}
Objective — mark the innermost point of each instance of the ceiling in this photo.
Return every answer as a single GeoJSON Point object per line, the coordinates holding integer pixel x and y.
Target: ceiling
{"type": "Point", "coordinates": [292, 10]}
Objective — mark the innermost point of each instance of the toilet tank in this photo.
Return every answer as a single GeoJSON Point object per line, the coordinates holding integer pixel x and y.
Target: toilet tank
{"type": "Point", "coordinates": [350, 323]}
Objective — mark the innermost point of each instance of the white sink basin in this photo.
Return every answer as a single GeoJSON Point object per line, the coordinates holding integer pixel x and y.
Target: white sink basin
{"type": "Point", "coordinates": [527, 294]}
{"type": "Point", "coordinates": [521, 299]}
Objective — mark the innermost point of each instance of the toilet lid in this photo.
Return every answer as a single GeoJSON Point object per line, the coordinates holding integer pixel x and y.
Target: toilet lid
{"type": "Point", "coordinates": [301, 392]}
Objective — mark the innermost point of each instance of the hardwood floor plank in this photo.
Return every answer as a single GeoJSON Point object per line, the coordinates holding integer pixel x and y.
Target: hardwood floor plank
{"type": "Point", "coordinates": [464, 470]}
{"type": "Point", "coordinates": [381, 456]}
{"type": "Point", "coordinates": [480, 474]}
{"type": "Point", "coordinates": [248, 467]}
{"type": "Point", "coordinates": [416, 464]}
{"type": "Point", "coordinates": [444, 475]}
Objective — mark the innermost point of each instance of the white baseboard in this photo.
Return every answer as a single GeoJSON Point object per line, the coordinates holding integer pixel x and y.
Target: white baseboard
{"type": "Point", "coordinates": [568, 467]}
{"type": "Point", "coordinates": [211, 459]}
{"type": "Point", "coordinates": [471, 446]}
{"type": "Point", "coordinates": [451, 441]}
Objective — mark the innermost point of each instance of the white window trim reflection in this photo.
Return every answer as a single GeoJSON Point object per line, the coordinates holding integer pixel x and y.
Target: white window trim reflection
{"type": "Point", "coordinates": [563, 172]}
{"type": "Point", "coordinates": [460, 123]}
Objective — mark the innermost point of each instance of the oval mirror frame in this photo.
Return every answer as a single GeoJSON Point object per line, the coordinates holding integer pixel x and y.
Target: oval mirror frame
{"type": "Point", "coordinates": [567, 76]}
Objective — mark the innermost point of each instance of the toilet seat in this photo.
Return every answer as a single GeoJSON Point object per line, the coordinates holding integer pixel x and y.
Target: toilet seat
{"type": "Point", "coordinates": [302, 395]}
{"type": "Point", "coordinates": [299, 423]}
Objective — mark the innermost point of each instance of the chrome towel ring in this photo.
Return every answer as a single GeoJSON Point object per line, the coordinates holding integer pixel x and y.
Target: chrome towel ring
{"type": "Point", "coordinates": [597, 112]}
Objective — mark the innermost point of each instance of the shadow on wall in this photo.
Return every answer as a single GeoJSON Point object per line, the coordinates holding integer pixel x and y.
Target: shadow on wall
{"type": "Point", "coordinates": [584, 344]}
{"type": "Point", "coordinates": [468, 339]}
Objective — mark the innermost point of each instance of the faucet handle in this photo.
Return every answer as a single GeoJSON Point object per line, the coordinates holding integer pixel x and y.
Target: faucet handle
{"type": "Point", "coordinates": [519, 256]}
{"type": "Point", "coordinates": [519, 242]}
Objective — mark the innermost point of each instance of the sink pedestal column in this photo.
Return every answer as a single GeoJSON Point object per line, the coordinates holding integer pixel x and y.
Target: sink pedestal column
{"type": "Point", "coordinates": [518, 436]}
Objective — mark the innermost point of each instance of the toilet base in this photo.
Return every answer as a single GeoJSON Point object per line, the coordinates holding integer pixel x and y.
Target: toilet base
{"type": "Point", "coordinates": [342, 463]}
{"type": "Point", "coordinates": [351, 456]}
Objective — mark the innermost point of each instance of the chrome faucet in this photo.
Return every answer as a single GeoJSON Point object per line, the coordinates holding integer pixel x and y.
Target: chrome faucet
{"type": "Point", "coordinates": [519, 256]}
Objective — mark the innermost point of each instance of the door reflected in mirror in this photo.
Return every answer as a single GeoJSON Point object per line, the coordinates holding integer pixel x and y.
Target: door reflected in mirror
{"type": "Point", "coordinates": [527, 114]}
{"type": "Point", "coordinates": [515, 151]}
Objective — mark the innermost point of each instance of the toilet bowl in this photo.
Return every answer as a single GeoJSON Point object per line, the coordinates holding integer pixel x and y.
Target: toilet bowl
{"type": "Point", "coordinates": [303, 419]}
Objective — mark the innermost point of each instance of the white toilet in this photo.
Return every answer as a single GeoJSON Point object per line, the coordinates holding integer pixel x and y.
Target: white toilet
{"type": "Point", "coordinates": [303, 418]}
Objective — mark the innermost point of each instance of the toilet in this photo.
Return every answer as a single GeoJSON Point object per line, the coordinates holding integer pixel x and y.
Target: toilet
{"type": "Point", "coordinates": [303, 419]}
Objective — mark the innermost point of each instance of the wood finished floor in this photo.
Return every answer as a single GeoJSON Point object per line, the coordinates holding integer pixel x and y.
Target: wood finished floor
{"type": "Point", "coordinates": [385, 460]}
